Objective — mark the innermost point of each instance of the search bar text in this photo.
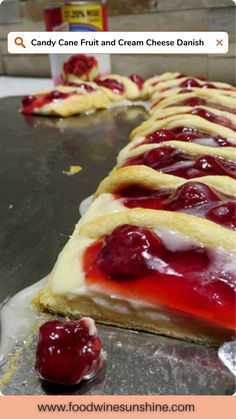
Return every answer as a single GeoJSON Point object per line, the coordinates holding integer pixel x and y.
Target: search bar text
{"type": "Point", "coordinates": [118, 42]}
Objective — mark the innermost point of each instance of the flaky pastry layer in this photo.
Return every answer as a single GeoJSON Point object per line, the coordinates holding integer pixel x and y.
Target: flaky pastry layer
{"type": "Point", "coordinates": [169, 84]}
{"type": "Point", "coordinates": [146, 177]}
{"type": "Point", "coordinates": [214, 96]}
{"type": "Point", "coordinates": [132, 91]}
{"type": "Point", "coordinates": [122, 313]}
{"type": "Point", "coordinates": [175, 110]}
{"type": "Point", "coordinates": [203, 231]}
{"type": "Point", "coordinates": [227, 153]}
{"type": "Point", "coordinates": [182, 120]}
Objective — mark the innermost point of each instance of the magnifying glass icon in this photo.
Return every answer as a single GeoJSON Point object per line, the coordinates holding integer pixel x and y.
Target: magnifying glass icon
{"type": "Point", "coordinates": [19, 41]}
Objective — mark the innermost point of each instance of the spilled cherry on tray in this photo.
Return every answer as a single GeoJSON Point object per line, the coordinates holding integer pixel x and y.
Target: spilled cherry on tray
{"type": "Point", "coordinates": [68, 352]}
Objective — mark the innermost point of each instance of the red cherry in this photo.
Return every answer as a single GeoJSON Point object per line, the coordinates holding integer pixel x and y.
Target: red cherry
{"type": "Point", "coordinates": [139, 80]}
{"type": "Point", "coordinates": [180, 76]}
{"type": "Point", "coordinates": [215, 165]}
{"type": "Point", "coordinates": [55, 94]}
{"type": "Point", "coordinates": [160, 136]}
{"type": "Point", "coordinates": [68, 352]}
{"type": "Point", "coordinates": [84, 86]}
{"type": "Point", "coordinates": [224, 214]}
{"type": "Point", "coordinates": [160, 157]}
{"type": "Point", "coordinates": [112, 84]}
{"type": "Point", "coordinates": [186, 136]}
{"type": "Point", "coordinates": [213, 118]}
{"type": "Point", "coordinates": [194, 101]}
{"type": "Point", "coordinates": [208, 86]}
{"type": "Point", "coordinates": [126, 252]}
{"type": "Point", "coordinates": [28, 100]}
{"type": "Point", "coordinates": [190, 83]}
{"type": "Point", "coordinates": [191, 194]}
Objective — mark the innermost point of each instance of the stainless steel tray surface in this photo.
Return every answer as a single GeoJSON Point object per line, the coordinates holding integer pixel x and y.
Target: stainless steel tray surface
{"type": "Point", "coordinates": [39, 208]}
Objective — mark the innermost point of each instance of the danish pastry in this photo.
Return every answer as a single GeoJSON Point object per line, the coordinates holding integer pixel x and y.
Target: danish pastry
{"type": "Point", "coordinates": [155, 250]}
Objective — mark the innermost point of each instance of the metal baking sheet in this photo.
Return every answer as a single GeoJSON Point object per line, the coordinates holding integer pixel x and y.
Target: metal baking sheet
{"type": "Point", "coordinates": [39, 207]}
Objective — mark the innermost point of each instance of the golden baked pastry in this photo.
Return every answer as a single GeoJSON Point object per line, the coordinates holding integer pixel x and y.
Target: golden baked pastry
{"type": "Point", "coordinates": [65, 100]}
{"type": "Point", "coordinates": [155, 250]}
{"type": "Point", "coordinates": [99, 282]}
{"type": "Point", "coordinates": [118, 87]}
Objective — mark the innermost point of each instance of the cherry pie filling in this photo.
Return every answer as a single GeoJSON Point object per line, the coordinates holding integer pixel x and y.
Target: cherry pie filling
{"type": "Point", "coordinates": [139, 80]}
{"type": "Point", "coordinates": [194, 198]}
{"type": "Point", "coordinates": [198, 101]}
{"type": "Point", "coordinates": [186, 134]}
{"type": "Point", "coordinates": [211, 117]}
{"type": "Point", "coordinates": [139, 263]}
{"type": "Point", "coordinates": [188, 83]}
{"type": "Point", "coordinates": [32, 102]}
{"type": "Point", "coordinates": [84, 86]}
{"type": "Point", "coordinates": [176, 162]}
{"type": "Point", "coordinates": [79, 65]}
{"type": "Point", "coordinates": [111, 84]}
{"type": "Point", "coordinates": [180, 76]}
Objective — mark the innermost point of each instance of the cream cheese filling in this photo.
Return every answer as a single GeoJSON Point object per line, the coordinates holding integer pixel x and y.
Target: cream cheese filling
{"type": "Point", "coordinates": [68, 278]}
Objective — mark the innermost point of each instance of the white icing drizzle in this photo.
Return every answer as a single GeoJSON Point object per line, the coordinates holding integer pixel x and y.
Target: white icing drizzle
{"type": "Point", "coordinates": [18, 319]}
{"type": "Point", "coordinates": [85, 204]}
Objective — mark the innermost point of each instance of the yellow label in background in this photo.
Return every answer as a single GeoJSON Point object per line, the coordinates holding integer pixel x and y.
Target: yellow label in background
{"type": "Point", "coordinates": [84, 15]}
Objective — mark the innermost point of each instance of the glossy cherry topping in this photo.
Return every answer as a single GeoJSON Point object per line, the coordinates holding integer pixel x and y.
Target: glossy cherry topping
{"type": "Point", "coordinates": [215, 165]}
{"type": "Point", "coordinates": [194, 83]}
{"type": "Point", "coordinates": [176, 162]}
{"type": "Point", "coordinates": [68, 352]}
{"type": "Point", "coordinates": [30, 103]}
{"type": "Point", "coordinates": [56, 94]}
{"type": "Point", "coordinates": [180, 76]}
{"type": "Point", "coordinates": [137, 263]}
{"type": "Point", "coordinates": [139, 80]}
{"type": "Point", "coordinates": [224, 214]}
{"type": "Point", "coordinates": [111, 84]}
{"type": "Point", "coordinates": [79, 65]}
{"type": "Point", "coordinates": [159, 136]}
{"type": "Point", "coordinates": [192, 101]}
{"type": "Point", "coordinates": [84, 86]}
{"type": "Point", "coordinates": [195, 198]}
{"type": "Point", "coordinates": [216, 119]}
{"type": "Point", "coordinates": [191, 195]}
{"type": "Point", "coordinates": [190, 83]}
{"type": "Point", "coordinates": [186, 134]}
{"type": "Point", "coordinates": [28, 100]}
{"type": "Point", "coordinates": [124, 252]}
{"type": "Point", "coordinates": [197, 101]}
{"type": "Point", "coordinates": [208, 86]}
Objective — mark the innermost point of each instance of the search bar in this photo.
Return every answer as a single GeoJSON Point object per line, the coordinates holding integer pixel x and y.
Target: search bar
{"type": "Point", "coordinates": [118, 42]}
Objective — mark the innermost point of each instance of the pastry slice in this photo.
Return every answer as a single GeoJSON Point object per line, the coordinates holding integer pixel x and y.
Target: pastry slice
{"type": "Point", "coordinates": [216, 116]}
{"type": "Point", "coordinates": [118, 87]}
{"type": "Point", "coordinates": [212, 98]}
{"type": "Point", "coordinates": [158, 97]}
{"type": "Point", "coordinates": [182, 159]}
{"type": "Point", "coordinates": [209, 197]}
{"type": "Point", "coordinates": [159, 271]}
{"type": "Point", "coordinates": [65, 100]}
{"type": "Point", "coordinates": [189, 83]}
{"type": "Point", "coordinates": [183, 127]}
{"type": "Point", "coordinates": [151, 82]}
